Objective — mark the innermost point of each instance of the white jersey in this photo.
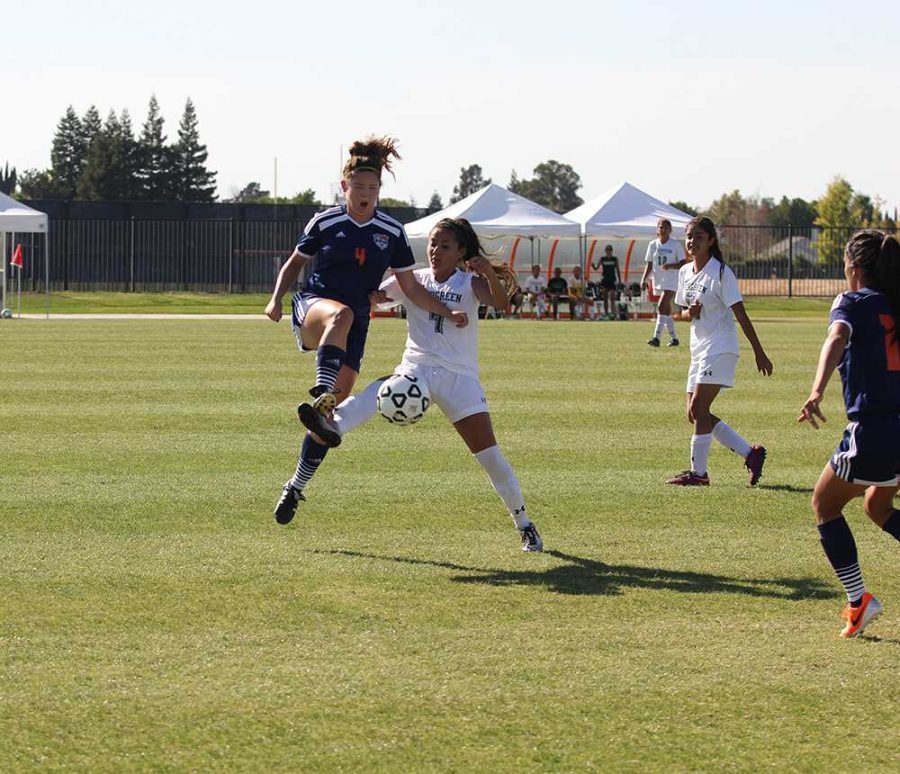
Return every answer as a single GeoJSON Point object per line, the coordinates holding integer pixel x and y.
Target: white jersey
{"type": "Point", "coordinates": [716, 287]}
{"type": "Point", "coordinates": [535, 285]}
{"type": "Point", "coordinates": [435, 341]}
{"type": "Point", "coordinates": [665, 254]}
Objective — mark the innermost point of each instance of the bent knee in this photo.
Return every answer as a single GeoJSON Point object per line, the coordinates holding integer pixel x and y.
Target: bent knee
{"type": "Point", "coordinates": [341, 317]}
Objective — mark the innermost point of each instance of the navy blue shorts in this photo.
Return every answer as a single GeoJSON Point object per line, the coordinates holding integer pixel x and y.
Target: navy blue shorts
{"type": "Point", "coordinates": [356, 338]}
{"type": "Point", "coordinates": [869, 452]}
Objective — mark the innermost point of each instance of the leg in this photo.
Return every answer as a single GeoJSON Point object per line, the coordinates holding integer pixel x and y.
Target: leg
{"type": "Point", "coordinates": [478, 433]}
{"type": "Point", "coordinates": [879, 504]}
{"type": "Point", "coordinates": [325, 328]}
{"type": "Point", "coordinates": [829, 498]}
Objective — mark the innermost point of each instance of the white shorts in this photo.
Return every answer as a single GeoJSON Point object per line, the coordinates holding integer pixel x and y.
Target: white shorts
{"type": "Point", "coordinates": [665, 280]}
{"type": "Point", "coordinates": [718, 369]}
{"type": "Point", "coordinates": [458, 396]}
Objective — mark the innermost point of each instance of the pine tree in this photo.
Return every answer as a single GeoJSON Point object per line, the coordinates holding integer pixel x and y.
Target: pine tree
{"type": "Point", "coordinates": [8, 180]}
{"type": "Point", "coordinates": [193, 182]}
{"type": "Point", "coordinates": [435, 203]}
{"type": "Point", "coordinates": [154, 167]}
{"type": "Point", "coordinates": [470, 181]}
{"type": "Point", "coordinates": [67, 155]}
{"type": "Point", "coordinates": [108, 173]}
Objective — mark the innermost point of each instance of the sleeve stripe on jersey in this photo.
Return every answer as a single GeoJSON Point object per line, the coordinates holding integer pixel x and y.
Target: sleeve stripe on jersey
{"type": "Point", "coordinates": [320, 216]}
{"type": "Point", "coordinates": [390, 225]}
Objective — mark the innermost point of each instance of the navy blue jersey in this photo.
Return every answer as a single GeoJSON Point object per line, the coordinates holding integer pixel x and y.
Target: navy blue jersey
{"type": "Point", "coordinates": [351, 258]}
{"type": "Point", "coordinates": [870, 366]}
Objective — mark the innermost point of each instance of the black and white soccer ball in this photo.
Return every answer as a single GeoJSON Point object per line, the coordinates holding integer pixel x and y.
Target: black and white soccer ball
{"type": "Point", "coordinates": [403, 400]}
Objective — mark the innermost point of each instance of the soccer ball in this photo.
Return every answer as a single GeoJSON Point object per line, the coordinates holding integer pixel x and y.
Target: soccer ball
{"type": "Point", "coordinates": [403, 400]}
{"type": "Point", "coordinates": [6, 314]}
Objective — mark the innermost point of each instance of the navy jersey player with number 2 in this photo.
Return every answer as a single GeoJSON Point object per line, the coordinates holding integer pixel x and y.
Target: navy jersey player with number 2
{"type": "Point", "coordinates": [863, 343]}
{"type": "Point", "coordinates": [353, 245]}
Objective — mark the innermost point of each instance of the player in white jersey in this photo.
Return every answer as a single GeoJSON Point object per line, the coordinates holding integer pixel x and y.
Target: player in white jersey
{"type": "Point", "coordinates": [445, 358]}
{"type": "Point", "coordinates": [665, 256]}
{"type": "Point", "coordinates": [710, 299]}
{"type": "Point", "coordinates": [536, 288]}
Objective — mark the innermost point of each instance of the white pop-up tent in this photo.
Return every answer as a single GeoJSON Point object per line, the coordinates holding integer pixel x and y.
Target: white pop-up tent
{"type": "Point", "coordinates": [626, 212]}
{"type": "Point", "coordinates": [18, 218]}
{"type": "Point", "coordinates": [495, 212]}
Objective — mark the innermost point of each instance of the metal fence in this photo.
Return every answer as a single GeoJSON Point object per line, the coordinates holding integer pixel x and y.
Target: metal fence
{"type": "Point", "coordinates": [238, 256]}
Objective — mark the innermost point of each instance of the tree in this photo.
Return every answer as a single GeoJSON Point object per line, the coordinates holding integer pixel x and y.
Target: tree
{"type": "Point", "coordinates": [109, 169]}
{"type": "Point", "coordinates": [684, 207]}
{"type": "Point", "coordinates": [470, 181]}
{"type": "Point", "coordinates": [8, 180]}
{"type": "Point", "coordinates": [251, 193]}
{"type": "Point", "coordinates": [306, 197]}
{"type": "Point", "coordinates": [435, 203]}
{"type": "Point", "coordinates": [40, 184]}
{"type": "Point", "coordinates": [155, 160]}
{"type": "Point", "coordinates": [793, 212]}
{"type": "Point", "coordinates": [835, 218]}
{"type": "Point", "coordinates": [68, 154]}
{"type": "Point", "coordinates": [554, 185]}
{"type": "Point", "coordinates": [387, 201]}
{"type": "Point", "coordinates": [192, 181]}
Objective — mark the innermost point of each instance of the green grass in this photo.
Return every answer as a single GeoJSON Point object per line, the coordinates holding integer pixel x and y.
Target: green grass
{"type": "Point", "coordinates": [154, 617]}
{"type": "Point", "coordinates": [254, 303]}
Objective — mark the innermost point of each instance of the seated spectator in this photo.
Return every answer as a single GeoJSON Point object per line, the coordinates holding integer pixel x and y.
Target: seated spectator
{"type": "Point", "coordinates": [536, 292]}
{"type": "Point", "coordinates": [515, 301]}
{"type": "Point", "coordinates": [558, 290]}
{"type": "Point", "coordinates": [578, 293]}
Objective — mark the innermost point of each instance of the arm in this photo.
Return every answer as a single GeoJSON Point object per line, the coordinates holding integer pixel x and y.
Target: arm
{"type": "Point", "coordinates": [618, 273]}
{"type": "Point", "coordinates": [487, 286]}
{"type": "Point", "coordinates": [646, 274]}
{"type": "Point", "coordinates": [763, 363]}
{"type": "Point", "coordinates": [414, 291]}
{"type": "Point", "coordinates": [287, 277]}
{"type": "Point", "coordinates": [831, 354]}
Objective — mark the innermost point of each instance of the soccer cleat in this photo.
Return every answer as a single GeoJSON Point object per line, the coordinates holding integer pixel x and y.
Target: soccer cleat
{"type": "Point", "coordinates": [754, 462]}
{"type": "Point", "coordinates": [287, 503]}
{"type": "Point", "coordinates": [324, 403]}
{"type": "Point", "coordinates": [689, 478]}
{"type": "Point", "coordinates": [319, 424]}
{"type": "Point", "coordinates": [531, 539]}
{"type": "Point", "coordinates": [860, 617]}
{"type": "Point", "coordinates": [673, 343]}
{"type": "Point", "coordinates": [654, 342]}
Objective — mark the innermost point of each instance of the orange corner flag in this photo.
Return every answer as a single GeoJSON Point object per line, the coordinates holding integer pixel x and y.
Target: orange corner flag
{"type": "Point", "coordinates": [17, 257]}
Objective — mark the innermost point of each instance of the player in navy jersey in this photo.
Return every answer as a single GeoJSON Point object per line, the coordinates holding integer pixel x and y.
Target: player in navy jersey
{"type": "Point", "coordinates": [353, 245]}
{"type": "Point", "coordinates": [863, 343]}
{"type": "Point", "coordinates": [446, 360]}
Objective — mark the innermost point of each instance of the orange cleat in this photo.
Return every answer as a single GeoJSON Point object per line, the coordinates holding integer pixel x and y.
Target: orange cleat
{"type": "Point", "coordinates": [860, 617]}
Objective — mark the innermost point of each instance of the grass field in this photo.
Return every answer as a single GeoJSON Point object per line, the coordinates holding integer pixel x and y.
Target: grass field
{"type": "Point", "coordinates": [154, 617]}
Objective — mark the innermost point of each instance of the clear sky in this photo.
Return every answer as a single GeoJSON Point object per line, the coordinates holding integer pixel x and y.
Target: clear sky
{"type": "Point", "coordinates": [685, 100]}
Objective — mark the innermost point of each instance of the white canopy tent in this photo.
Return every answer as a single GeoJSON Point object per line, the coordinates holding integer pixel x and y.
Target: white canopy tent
{"type": "Point", "coordinates": [626, 212]}
{"type": "Point", "coordinates": [495, 212]}
{"type": "Point", "coordinates": [18, 218]}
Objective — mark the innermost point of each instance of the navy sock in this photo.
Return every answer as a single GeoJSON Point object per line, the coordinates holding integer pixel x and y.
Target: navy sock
{"type": "Point", "coordinates": [892, 525]}
{"type": "Point", "coordinates": [311, 456]}
{"type": "Point", "coordinates": [840, 548]}
{"type": "Point", "coordinates": [329, 360]}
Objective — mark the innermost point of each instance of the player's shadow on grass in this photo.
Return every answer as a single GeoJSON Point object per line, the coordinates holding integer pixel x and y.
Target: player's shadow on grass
{"type": "Point", "coordinates": [786, 488]}
{"type": "Point", "coordinates": [579, 576]}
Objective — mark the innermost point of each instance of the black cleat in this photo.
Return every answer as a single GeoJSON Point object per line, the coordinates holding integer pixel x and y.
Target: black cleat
{"type": "Point", "coordinates": [287, 503]}
{"type": "Point", "coordinates": [654, 342]}
{"type": "Point", "coordinates": [673, 343]}
{"type": "Point", "coordinates": [531, 539]}
{"type": "Point", "coordinates": [319, 425]}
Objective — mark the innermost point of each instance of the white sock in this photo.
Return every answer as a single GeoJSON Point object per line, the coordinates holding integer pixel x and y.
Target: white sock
{"type": "Point", "coordinates": [700, 453]}
{"type": "Point", "coordinates": [505, 483]}
{"type": "Point", "coordinates": [670, 325]}
{"type": "Point", "coordinates": [731, 439]}
{"type": "Point", "coordinates": [357, 409]}
{"type": "Point", "coordinates": [659, 326]}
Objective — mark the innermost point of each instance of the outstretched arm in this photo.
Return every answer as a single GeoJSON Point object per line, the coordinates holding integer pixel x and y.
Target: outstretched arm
{"type": "Point", "coordinates": [832, 351]}
{"type": "Point", "coordinates": [414, 291]}
{"type": "Point", "coordinates": [287, 277]}
{"type": "Point", "coordinates": [763, 364]}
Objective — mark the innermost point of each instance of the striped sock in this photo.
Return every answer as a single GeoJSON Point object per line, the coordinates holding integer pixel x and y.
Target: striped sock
{"type": "Point", "coordinates": [840, 548]}
{"type": "Point", "coordinates": [311, 456]}
{"type": "Point", "coordinates": [329, 360]}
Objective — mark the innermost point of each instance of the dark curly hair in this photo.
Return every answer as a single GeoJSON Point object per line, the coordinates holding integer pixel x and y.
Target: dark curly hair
{"type": "Point", "coordinates": [373, 154]}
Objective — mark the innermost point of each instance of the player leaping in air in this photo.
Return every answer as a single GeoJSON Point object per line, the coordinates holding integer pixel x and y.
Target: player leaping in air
{"type": "Point", "coordinates": [353, 244]}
